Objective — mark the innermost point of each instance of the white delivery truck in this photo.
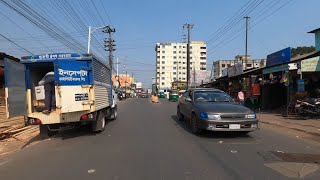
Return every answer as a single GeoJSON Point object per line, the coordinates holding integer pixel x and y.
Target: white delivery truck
{"type": "Point", "coordinates": [83, 91]}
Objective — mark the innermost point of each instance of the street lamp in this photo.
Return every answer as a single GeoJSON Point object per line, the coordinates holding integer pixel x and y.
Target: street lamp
{"type": "Point", "coordinates": [89, 35]}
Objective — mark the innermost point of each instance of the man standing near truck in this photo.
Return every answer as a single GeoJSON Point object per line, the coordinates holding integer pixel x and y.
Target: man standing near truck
{"type": "Point", "coordinates": [49, 89]}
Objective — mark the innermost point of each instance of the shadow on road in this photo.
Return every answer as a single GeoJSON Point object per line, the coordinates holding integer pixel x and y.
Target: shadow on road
{"type": "Point", "coordinates": [209, 134]}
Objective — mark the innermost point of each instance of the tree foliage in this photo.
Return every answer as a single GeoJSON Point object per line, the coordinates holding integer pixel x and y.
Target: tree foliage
{"type": "Point", "coordinates": [301, 50]}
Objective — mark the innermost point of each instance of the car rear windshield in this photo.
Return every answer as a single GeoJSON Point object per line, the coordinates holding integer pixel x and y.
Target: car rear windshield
{"type": "Point", "coordinates": [211, 96]}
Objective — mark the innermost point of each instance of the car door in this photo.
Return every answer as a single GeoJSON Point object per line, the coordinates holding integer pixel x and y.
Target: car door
{"type": "Point", "coordinates": [182, 103]}
{"type": "Point", "coordinates": [188, 104]}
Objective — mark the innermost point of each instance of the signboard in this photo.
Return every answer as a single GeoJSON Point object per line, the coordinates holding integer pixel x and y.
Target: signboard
{"type": "Point", "coordinates": [300, 85]}
{"type": "Point", "coordinates": [71, 73]}
{"type": "Point", "coordinates": [279, 57]}
{"type": "Point", "coordinates": [283, 67]}
{"type": "Point", "coordinates": [311, 65]}
{"type": "Point", "coordinates": [199, 76]}
{"type": "Point", "coordinates": [138, 84]}
{"type": "Point", "coordinates": [224, 72]}
{"type": "Point", "coordinates": [125, 80]}
{"type": "Point", "coordinates": [53, 56]}
{"type": "Point", "coordinates": [235, 70]}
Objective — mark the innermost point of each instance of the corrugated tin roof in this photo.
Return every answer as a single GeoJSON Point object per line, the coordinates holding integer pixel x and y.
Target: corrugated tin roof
{"type": "Point", "coordinates": [313, 31]}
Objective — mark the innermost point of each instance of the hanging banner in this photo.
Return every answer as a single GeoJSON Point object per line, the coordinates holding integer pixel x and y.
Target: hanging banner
{"type": "Point", "coordinates": [235, 70]}
{"type": "Point", "coordinates": [311, 65]}
{"type": "Point", "coordinates": [300, 85]}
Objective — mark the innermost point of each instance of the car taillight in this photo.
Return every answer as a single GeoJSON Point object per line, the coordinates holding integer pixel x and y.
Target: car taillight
{"type": "Point", "coordinates": [85, 116]}
{"type": "Point", "coordinates": [38, 121]}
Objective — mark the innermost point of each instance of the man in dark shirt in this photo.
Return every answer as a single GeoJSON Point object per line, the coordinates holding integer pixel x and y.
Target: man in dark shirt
{"type": "Point", "coordinates": [49, 88]}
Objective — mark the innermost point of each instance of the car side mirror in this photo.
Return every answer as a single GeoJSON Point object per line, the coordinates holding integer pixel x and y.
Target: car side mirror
{"type": "Point", "coordinates": [188, 99]}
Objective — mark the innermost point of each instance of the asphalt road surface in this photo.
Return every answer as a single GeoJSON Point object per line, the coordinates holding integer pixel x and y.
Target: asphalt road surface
{"type": "Point", "coordinates": [148, 142]}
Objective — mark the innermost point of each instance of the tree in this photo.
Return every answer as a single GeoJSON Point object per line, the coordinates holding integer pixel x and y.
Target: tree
{"type": "Point", "coordinates": [301, 50]}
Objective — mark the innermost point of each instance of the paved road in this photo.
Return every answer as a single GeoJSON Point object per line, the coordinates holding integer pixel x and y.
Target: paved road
{"type": "Point", "coordinates": [147, 142]}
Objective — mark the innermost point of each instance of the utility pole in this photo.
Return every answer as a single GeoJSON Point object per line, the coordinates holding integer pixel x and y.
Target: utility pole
{"type": "Point", "coordinates": [109, 44]}
{"type": "Point", "coordinates": [189, 27]}
{"type": "Point", "coordinates": [247, 24]}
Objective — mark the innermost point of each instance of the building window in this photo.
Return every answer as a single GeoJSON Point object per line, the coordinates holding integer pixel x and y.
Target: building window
{"type": "Point", "coordinates": [179, 67]}
{"type": "Point", "coordinates": [179, 51]}
{"type": "Point", "coordinates": [203, 53]}
{"type": "Point", "coordinates": [158, 57]}
{"type": "Point", "coordinates": [203, 47]}
{"type": "Point", "coordinates": [249, 65]}
{"type": "Point", "coordinates": [179, 72]}
{"type": "Point", "coordinates": [223, 65]}
{"type": "Point", "coordinates": [163, 46]}
{"type": "Point", "coordinates": [174, 68]}
{"type": "Point", "coordinates": [175, 47]}
{"type": "Point", "coordinates": [183, 57]}
{"type": "Point", "coordinates": [163, 78]}
{"type": "Point", "coordinates": [174, 62]}
{"type": "Point", "coordinates": [183, 47]}
{"type": "Point", "coordinates": [183, 78]}
{"type": "Point", "coordinates": [174, 52]}
{"type": "Point", "coordinates": [203, 63]}
{"type": "Point", "coordinates": [203, 58]}
{"type": "Point", "coordinates": [179, 62]}
{"type": "Point", "coordinates": [174, 78]}
{"type": "Point", "coordinates": [190, 52]}
{"type": "Point", "coordinates": [190, 47]}
{"type": "Point", "coordinates": [183, 52]}
{"type": "Point", "coordinates": [190, 63]}
{"type": "Point", "coordinates": [184, 68]}
{"type": "Point", "coordinates": [158, 67]}
{"type": "Point", "coordinates": [162, 72]}
{"type": "Point", "coordinates": [163, 67]}
{"type": "Point", "coordinates": [174, 57]}
{"type": "Point", "coordinates": [184, 73]}
{"type": "Point", "coordinates": [163, 52]}
{"type": "Point", "coordinates": [162, 62]}
{"type": "Point", "coordinates": [163, 57]}
{"type": "Point", "coordinates": [229, 65]}
{"type": "Point", "coordinates": [174, 73]}
{"type": "Point", "coordinates": [162, 83]}
{"type": "Point", "coordinates": [203, 68]}
{"type": "Point", "coordinates": [190, 57]}
{"type": "Point", "coordinates": [184, 63]}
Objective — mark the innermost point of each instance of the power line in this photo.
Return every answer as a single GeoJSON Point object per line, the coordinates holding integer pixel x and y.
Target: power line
{"type": "Point", "coordinates": [15, 44]}
{"type": "Point", "coordinates": [106, 13]}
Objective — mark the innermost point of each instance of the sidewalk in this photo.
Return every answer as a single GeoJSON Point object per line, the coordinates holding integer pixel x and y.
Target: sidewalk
{"type": "Point", "coordinates": [294, 122]}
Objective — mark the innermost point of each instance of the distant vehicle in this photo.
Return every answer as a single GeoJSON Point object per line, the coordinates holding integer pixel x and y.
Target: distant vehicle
{"type": "Point", "coordinates": [162, 95]}
{"type": "Point", "coordinates": [181, 92]}
{"type": "Point", "coordinates": [143, 95]}
{"type": "Point", "coordinates": [173, 96]}
{"type": "Point", "coordinates": [214, 110]}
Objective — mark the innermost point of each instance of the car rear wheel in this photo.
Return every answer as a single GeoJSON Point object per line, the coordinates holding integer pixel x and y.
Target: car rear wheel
{"type": "Point", "coordinates": [194, 125]}
{"type": "Point", "coordinates": [180, 115]}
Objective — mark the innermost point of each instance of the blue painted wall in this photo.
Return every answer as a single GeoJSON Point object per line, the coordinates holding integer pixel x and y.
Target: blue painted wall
{"type": "Point", "coordinates": [317, 40]}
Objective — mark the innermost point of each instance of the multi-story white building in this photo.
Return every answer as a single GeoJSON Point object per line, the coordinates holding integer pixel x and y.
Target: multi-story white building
{"type": "Point", "coordinates": [171, 62]}
{"type": "Point", "coordinates": [220, 65]}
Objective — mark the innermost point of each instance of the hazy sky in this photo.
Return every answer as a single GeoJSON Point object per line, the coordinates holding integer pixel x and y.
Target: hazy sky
{"type": "Point", "coordinates": [274, 25]}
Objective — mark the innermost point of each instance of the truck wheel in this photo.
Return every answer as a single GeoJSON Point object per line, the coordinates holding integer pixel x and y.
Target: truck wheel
{"type": "Point", "coordinates": [114, 113]}
{"type": "Point", "coordinates": [100, 124]}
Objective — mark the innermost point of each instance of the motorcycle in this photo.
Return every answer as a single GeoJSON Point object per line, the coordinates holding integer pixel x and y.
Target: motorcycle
{"type": "Point", "coordinates": [120, 96]}
{"type": "Point", "coordinates": [308, 108]}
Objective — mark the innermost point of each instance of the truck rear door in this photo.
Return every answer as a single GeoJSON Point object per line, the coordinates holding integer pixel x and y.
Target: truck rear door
{"type": "Point", "coordinates": [15, 89]}
{"type": "Point", "coordinates": [73, 80]}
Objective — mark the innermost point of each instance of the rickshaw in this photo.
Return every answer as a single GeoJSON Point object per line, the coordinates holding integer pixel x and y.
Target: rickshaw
{"type": "Point", "coordinates": [161, 95]}
{"type": "Point", "coordinates": [173, 96]}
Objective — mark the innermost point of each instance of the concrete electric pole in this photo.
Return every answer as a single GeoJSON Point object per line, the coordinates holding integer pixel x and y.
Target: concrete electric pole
{"type": "Point", "coordinates": [189, 27]}
{"type": "Point", "coordinates": [247, 24]}
{"type": "Point", "coordinates": [109, 44]}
